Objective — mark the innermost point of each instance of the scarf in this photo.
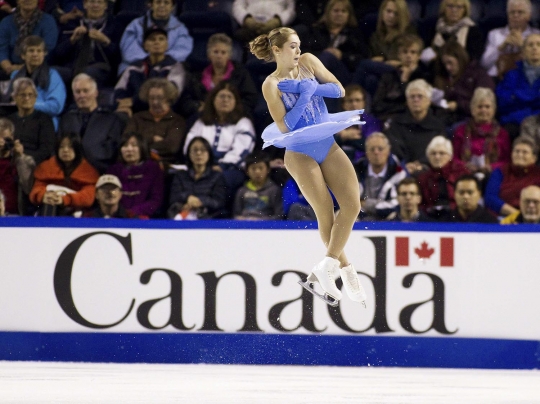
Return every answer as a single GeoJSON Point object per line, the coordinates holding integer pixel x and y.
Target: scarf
{"type": "Point", "coordinates": [25, 27]}
{"type": "Point", "coordinates": [531, 72]}
{"type": "Point", "coordinates": [459, 31]}
{"type": "Point", "coordinates": [40, 76]}
{"type": "Point", "coordinates": [87, 46]}
{"type": "Point", "coordinates": [487, 131]}
{"type": "Point", "coordinates": [208, 72]}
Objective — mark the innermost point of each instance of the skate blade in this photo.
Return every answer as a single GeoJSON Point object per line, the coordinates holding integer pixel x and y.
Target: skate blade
{"type": "Point", "coordinates": [328, 299]}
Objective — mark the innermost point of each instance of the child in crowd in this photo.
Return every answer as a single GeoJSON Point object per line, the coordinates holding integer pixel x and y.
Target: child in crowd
{"type": "Point", "coordinates": [259, 198]}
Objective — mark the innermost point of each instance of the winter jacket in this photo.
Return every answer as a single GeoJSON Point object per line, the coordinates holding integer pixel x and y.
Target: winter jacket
{"type": "Point", "coordinates": [172, 128]}
{"type": "Point", "coordinates": [230, 143]}
{"type": "Point", "coordinates": [409, 138]}
{"type": "Point", "coordinates": [102, 136]}
{"type": "Point", "coordinates": [142, 187]}
{"type": "Point", "coordinates": [82, 180]}
{"type": "Point", "coordinates": [386, 200]}
{"type": "Point", "coordinates": [36, 133]}
{"type": "Point", "coordinates": [210, 188]}
{"type": "Point", "coordinates": [131, 44]}
{"type": "Point", "coordinates": [516, 98]}
{"type": "Point", "coordinates": [438, 185]}
{"type": "Point", "coordinates": [264, 203]}
{"type": "Point", "coordinates": [46, 28]}
{"type": "Point", "coordinates": [505, 185]}
{"type": "Point", "coordinates": [480, 215]}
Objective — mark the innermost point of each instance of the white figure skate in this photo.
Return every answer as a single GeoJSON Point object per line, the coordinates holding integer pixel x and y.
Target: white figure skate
{"type": "Point", "coordinates": [352, 284]}
{"type": "Point", "coordinates": [323, 273]}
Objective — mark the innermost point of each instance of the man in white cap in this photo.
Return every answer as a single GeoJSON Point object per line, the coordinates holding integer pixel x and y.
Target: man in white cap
{"type": "Point", "coordinates": [108, 195]}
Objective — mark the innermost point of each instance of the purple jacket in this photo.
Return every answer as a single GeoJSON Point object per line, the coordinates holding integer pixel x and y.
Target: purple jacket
{"type": "Point", "coordinates": [142, 187]}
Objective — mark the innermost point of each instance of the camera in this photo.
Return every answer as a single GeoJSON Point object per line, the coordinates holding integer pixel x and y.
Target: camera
{"type": "Point", "coordinates": [8, 143]}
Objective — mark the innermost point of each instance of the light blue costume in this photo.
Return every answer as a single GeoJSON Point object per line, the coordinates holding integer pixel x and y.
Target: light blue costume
{"type": "Point", "coordinates": [313, 133]}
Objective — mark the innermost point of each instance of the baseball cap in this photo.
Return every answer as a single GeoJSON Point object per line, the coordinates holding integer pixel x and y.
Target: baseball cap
{"type": "Point", "coordinates": [108, 179]}
{"type": "Point", "coordinates": [153, 30]}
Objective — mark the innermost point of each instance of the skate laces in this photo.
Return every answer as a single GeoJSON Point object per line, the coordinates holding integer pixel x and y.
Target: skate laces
{"type": "Point", "coordinates": [352, 278]}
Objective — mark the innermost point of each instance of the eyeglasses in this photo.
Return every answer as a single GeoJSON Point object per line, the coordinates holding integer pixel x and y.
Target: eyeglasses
{"type": "Point", "coordinates": [376, 148]}
{"type": "Point", "coordinates": [196, 150]}
{"type": "Point", "coordinates": [416, 96]}
{"type": "Point", "coordinates": [408, 193]}
{"type": "Point", "coordinates": [25, 95]}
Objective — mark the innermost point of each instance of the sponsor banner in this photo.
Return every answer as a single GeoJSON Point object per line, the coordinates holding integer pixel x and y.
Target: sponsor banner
{"type": "Point", "coordinates": [203, 280]}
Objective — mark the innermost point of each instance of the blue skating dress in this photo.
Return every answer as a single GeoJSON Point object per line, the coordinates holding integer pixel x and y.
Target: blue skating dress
{"type": "Point", "coordinates": [313, 134]}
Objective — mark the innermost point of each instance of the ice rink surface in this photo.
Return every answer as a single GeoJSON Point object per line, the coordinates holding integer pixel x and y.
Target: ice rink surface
{"type": "Point", "coordinates": [78, 383]}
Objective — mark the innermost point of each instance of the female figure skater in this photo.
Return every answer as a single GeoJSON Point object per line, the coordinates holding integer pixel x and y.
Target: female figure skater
{"type": "Point", "coordinates": [303, 126]}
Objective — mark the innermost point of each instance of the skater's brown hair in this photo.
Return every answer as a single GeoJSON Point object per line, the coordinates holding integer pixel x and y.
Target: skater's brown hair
{"type": "Point", "coordinates": [261, 46]}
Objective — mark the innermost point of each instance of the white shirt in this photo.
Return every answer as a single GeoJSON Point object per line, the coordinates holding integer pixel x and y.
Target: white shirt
{"type": "Point", "coordinates": [264, 10]}
{"type": "Point", "coordinates": [495, 38]}
{"type": "Point", "coordinates": [371, 173]}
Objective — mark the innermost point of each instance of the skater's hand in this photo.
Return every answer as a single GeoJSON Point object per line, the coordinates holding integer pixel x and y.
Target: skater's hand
{"type": "Point", "coordinates": [307, 86]}
{"type": "Point", "coordinates": [289, 86]}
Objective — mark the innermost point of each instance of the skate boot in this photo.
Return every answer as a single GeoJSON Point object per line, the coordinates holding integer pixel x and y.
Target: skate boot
{"type": "Point", "coordinates": [352, 284]}
{"type": "Point", "coordinates": [323, 273]}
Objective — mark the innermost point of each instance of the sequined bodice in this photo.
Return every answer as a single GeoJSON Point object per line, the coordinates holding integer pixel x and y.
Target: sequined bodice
{"type": "Point", "coordinates": [315, 112]}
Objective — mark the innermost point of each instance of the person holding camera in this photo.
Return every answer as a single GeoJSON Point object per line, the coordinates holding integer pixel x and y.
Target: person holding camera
{"type": "Point", "coordinates": [16, 168]}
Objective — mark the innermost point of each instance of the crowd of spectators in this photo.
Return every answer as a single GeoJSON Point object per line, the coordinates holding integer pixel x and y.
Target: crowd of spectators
{"type": "Point", "coordinates": [130, 110]}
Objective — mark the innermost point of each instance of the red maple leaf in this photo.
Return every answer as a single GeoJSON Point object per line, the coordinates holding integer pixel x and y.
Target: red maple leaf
{"type": "Point", "coordinates": [424, 252]}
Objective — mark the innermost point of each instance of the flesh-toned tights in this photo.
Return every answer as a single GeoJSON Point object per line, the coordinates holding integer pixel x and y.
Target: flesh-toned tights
{"type": "Point", "coordinates": [337, 173]}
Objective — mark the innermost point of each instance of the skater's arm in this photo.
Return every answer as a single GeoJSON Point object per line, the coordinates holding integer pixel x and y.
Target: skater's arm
{"type": "Point", "coordinates": [322, 74]}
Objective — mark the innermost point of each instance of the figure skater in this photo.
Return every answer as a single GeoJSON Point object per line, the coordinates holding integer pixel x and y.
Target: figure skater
{"type": "Point", "coordinates": [294, 93]}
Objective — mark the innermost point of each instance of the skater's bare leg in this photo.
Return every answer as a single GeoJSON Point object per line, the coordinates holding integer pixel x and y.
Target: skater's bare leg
{"type": "Point", "coordinates": [308, 175]}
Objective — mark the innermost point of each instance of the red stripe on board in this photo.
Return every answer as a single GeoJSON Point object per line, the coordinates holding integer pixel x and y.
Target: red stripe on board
{"type": "Point", "coordinates": [402, 251]}
{"type": "Point", "coordinates": [447, 251]}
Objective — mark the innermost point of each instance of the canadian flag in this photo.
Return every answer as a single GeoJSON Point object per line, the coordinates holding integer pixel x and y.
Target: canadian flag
{"type": "Point", "coordinates": [425, 251]}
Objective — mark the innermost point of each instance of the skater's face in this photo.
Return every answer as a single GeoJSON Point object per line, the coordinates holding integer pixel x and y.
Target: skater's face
{"type": "Point", "coordinates": [338, 15]}
{"type": "Point", "coordinates": [438, 157]}
{"type": "Point", "coordinates": [529, 204]}
{"type": "Point", "coordinates": [131, 153]}
{"type": "Point", "coordinates": [409, 56]}
{"type": "Point", "coordinates": [258, 173]}
{"type": "Point", "coordinates": [483, 111]}
{"type": "Point", "coordinates": [162, 9]}
{"type": "Point", "coordinates": [354, 100]}
{"type": "Point", "coordinates": [390, 15]}
{"type": "Point", "coordinates": [408, 197]}
{"type": "Point", "coordinates": [289, 54]}
{"type": "Point", "coordinates": [219, 55]}
{"type": "Point", "coordinates": [523, 155]}
{"type": "Point", "coordinates": [467, 195]}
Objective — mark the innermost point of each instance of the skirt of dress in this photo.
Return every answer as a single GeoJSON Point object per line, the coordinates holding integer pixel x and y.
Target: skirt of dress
{"type": "Point", "coordinates": [272, 136]}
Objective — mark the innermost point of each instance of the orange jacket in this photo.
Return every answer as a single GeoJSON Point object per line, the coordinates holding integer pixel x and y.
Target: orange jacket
{"type": "Point", "coordinates": [82, 180]}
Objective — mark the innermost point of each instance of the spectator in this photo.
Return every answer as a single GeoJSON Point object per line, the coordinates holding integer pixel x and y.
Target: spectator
{"type": "Point", "coordinates": [529, 204]}
{"type": "Point", "coordinates": [503, 47]}
{"type": "Point", "coordinates": [308, 12]}
{"type": "Point", "coordinates": [506, 182]}
{"type": "Point", "coordinates": [232, 136]}
{"type": "Point", "coordinates": [221, 67]}
{"type": "Point", "coordinates": [257, 17]}
{"type": "Point", "coordinates": [157, 64]}
{"type": "Point", "coordinates": [437, 183]}
{"type": "Point", "coordinates": [393, 21]}
{"type": "Point", "coordinates": [295, 206]}
{"type": "Point", "coordinates": [409, 198]}
{"type": "Point", "coordinates": [198, 192]}
{"type": "Point", "coordinates": [378, 174]}
{"type": "Point", "coordinates": [33, 128]}
{"type": "Point", "coordinates": [99, 129]}
{"type": "Point", "coordinates": [50, 87]}
{"type": "Point", "coordinates": [454, 23]}
{"type": "Point", "coordinates": [27, 20]}
{"type": "Point", "coordinates": [108, 196]}
{"type": "Point", "coordinates": [163, 129]}
{"type": "Point", "coordinates": [89, 44]}
{"type": "Point", "coordinates": [389, 99]}
{"type": "Point", "coordinates": [457, 77]}
{"type": "Point", "coordinates": [141, 177]}
{"type": "Point", "coordinates": [353, 139]}
{"type": "Point", "coordinates": [65, 183]}
{"type": "Point", "coordinates": [259, 198]}
{"type": "Point", "coordinates": [481, 143]}
{"type": "Point", "coordinates": [410, 133]}
{"type": "Point", "coordinates": [530, 127]}
{"type": "Point", "coordinates": [337, 41]}
{"type": "Point", "coordinates": [468, 210]}
{"type": "Point", "coordinates": [15, 168]}
{"type": "Point", "coordinates": [517, 93]}
{"type": "Point", "coordinates": [161, 15]}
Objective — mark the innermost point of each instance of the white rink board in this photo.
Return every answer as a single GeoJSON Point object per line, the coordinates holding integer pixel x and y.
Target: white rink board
{"type": "Point", "coordinates": [491, 291]}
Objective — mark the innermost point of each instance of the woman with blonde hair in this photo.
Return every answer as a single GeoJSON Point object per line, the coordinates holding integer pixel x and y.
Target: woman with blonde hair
{"type": "Point", "coordinates": [294, 93]}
